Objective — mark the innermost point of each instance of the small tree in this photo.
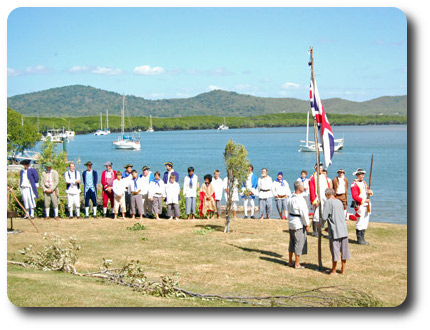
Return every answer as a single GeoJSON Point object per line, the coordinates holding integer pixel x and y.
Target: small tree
{"type": "Point", "coordinates": [236, 162]}
{"type": "Point", "coordinates": [20, 136]}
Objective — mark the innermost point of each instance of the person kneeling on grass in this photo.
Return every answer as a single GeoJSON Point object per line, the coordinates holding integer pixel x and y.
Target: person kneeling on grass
{"type": "Point", "coordinates": [172, 198]}
{"type": "Point", "coordinates": [156, 194]}
{"type": "Point", "coordinates": [298, 222]}
{"type": "Point", "coordinates": [118, 187]}
{"type": "Point", "coordinates": [337, 230]}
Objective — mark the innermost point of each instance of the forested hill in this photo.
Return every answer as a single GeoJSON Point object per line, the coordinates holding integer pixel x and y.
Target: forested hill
{"type": "Point", "coordinates": [79, 100]}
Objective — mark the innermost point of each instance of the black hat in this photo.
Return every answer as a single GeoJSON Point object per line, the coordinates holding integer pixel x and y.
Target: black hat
{"type": "Point", "coordinates": [145, 168]}
{"type": "Point", "coordinates": [128, 165]}
{"type": "Point", "coordinates": [25, 162]}
{"type": "Point", "coordinates": [88, 163]}
{"type": "Point", "coordinates": [359, 171]}
{"type": "Point", "coordinates": [315, 166]}
{"type": "Point", "coordinates": [169, 163]}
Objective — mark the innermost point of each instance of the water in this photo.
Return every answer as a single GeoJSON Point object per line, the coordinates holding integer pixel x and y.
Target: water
{"type": "Point", "coordinates": [274, 148]}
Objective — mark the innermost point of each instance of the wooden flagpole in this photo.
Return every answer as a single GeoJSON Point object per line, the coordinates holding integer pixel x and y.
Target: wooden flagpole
{"type": "Point", "coordinates": [317, 149]}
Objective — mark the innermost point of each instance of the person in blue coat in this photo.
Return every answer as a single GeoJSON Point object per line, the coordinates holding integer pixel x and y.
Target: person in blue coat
{"type": "Point", "coordinates": [169, 171]}
{"type": "Point", "coordinates": [29, 181]}
{"type": "Point", "coordinates": [90, 188]}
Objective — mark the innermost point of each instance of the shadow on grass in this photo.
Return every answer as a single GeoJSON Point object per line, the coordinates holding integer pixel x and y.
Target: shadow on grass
{"type": "Point", "coordinates": [277, 261]}
{"type": "Point", "coordinates": [268, 253]}
{"type": "Point", "coordinates": [213, 227]}
{"type": "Point", "coordinates": [314, 267]}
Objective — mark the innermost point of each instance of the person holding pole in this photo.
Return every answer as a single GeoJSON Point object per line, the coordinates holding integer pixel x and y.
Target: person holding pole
{"type": "Point", "coordinates": [361, 203]}
{"type": "Point", "coordinates": [298, 222]}
{"type": "Point", "coordinates": [315, 201]}
{"type": "Point", "coordinates": [340, 186]}
{"type": "Point", "coordinates": [337, 230]}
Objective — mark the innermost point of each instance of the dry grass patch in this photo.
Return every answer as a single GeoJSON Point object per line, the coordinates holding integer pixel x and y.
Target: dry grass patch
{"type": "Point", "coordinates": [251, 260]}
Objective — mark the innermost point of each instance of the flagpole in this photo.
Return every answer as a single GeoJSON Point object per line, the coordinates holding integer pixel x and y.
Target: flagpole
{"type": "Point", "coordinates": [317, 149]}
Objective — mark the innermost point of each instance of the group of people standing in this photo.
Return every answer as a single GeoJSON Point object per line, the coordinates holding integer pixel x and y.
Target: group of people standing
{"type": "Point", "coordinates": [144, 193]}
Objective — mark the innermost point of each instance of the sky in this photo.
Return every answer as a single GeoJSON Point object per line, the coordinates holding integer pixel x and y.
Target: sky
{"type": "Point", "coordinates": [157, 53]}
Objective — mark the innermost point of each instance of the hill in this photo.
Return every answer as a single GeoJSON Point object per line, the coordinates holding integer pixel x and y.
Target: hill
{"type": "Point", "coordinates": [79, 100]}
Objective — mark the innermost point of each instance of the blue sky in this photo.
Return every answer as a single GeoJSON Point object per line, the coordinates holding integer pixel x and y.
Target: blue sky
{"type": "Point", "coordinates": [360, 53]}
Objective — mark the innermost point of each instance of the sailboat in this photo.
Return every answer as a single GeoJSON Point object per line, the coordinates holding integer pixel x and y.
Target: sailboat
{"type": "Point", "coordinates": [150, 129]}
{"type": "Point", "coordinates": [223, 127]}
{"type": "Point", "coordinates": [100, 131]}
{"type": "Point", "coordinates": [126, 141]}
{"type": "Point", "coordinates": [107, 130]}
{"type": "Point", "coordinates": [309, 146]}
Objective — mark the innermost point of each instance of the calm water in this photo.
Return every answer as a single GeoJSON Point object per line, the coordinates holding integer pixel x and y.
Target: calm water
{"type": "Point", "coordinates": [274, 148]}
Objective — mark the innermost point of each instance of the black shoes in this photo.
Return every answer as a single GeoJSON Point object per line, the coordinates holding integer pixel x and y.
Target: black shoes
{"type": "Point", "coordinates": [360, 237]}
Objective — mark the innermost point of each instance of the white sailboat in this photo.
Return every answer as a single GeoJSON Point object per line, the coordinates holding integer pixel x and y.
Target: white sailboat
{"type": "Point", "coordinates": [309, 146]}
{"type": "Point", "coordinates": [126, 141]}
{"type": "Point", "coordinates": [54, 135]}
{"type": "Point", "coordinates": [100, 131]}
{"type": "Point", "coordinates": [150, 129]}
{"type": "Point", "coordinates": [223, 127]}
{"type": "Point", "coordinates": [107, 130]}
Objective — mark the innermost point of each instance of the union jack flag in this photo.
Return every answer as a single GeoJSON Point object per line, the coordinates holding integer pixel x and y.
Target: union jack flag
{"type": "Point", "coordinates": [325, 133]}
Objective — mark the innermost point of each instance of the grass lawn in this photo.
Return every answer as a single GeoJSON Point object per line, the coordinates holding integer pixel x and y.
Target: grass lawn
{"type": "Point", "coordinates": [251, 260]}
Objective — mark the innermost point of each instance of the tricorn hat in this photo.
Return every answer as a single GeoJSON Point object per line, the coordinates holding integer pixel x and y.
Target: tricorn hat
{"type": "Point", "coordinates": [359, 171]}
{"type": "Point", "coordinates": [107, 164]}
{"type": "Point", "coordinates": [25, 162]}
{"type": "Point", "coordinates": [169, 163]}
{"type": "Point", "coordinates": [315, 166]}
{"type": "Point", "coordinates": [48, 164]}
{"type": "Point", "coordinates": [340, 170]}
{"type": "Point", "coordinates": [128, 165]}
{"type": "Point", "coordinates": [88, 163]}
{"type": "Point", "coordinates": [145, 168]}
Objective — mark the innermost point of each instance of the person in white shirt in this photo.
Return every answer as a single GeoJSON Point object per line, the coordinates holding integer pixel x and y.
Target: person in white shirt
{"type": "Point", "coordinates": [305, 180]}
{"type": "Point", "coordinates": [73, 191]}
{"type": "Point", "coordinates": [297, 225]}
{"type": "Point", "coordinates": [190, 192]}
{"type": "Point", "coordinates": [156, 194]}
{"type": "Point", "coordinates": [281, 191]}
{"type": "Point", "coordinates": [146, 178]}
{"type": "Point", "coordinates": [118, 188]}
{"type": "Point", "coordinates": [218, 185]}
{"type": "Point", "coordinates": [235, 195]}
{"type": "Point", "coordinates": [249, 192]}
{"type": "Point", "coordinates": [172, 198]}
{"type": "Point", "coordinates": [134, 189]}
{"type": "Point", "coordinates": [265, 194]}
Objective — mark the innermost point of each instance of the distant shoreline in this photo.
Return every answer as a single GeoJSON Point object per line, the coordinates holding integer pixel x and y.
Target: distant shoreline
{"type": "Point", "coordinates": [89, 124]}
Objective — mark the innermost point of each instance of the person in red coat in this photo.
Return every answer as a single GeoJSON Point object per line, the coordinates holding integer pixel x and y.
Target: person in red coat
{"type": "Point", "coordinates": [313, 194]}
{"type": "Point", "coordinates": [360, 194]}
{"type": "Point", "coordinates": [107, 182]}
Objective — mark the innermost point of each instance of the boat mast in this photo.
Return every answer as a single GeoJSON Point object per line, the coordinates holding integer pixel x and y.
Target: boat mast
{"type": "Point", "coordinates": [101, 125]}
{"type": "Point", "coordinates": [150, 121]}
{"type": "Point", "coordinates": [122, 114]}
{"type": "Point", "coordinates": [107, 119]}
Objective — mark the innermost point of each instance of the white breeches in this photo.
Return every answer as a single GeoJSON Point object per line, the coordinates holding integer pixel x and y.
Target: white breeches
{"type": "Point", "coordinates": [28, 198]}
{"type": "Point", "coordinates": [74, 200]}
{"type": "Point", "coordinates": [316, 217]}
{"type": "Point", "coordinates": [362, 217]}
{"type": "Point", "coordinates": [245, 205]}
